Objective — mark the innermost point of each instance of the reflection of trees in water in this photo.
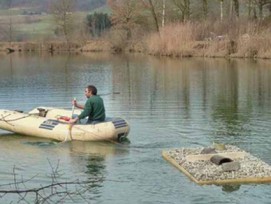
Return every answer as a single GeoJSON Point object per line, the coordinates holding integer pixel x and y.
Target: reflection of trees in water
{"type": "Point", "coordinates": [95, 168]}
{"type": "Point", "coordinates": [231, 188]}
{"type": "Point", "coordinates": [262, 82]}
{"type": "Point", "coordinates": [86, 173]}
{"type": "Point", "coordinates": [90, 159]}
{"type": "Point", "coordinates": [145, 83]}
{"type": "Point", "coordinates": [226, 109]}
{"type": "Point", "coordinates": [95, 165]}
{"type": "Point", "coordinates": [6, 64]}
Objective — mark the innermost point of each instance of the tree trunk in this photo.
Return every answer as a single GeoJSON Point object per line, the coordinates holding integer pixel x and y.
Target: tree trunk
{"type": "Point", "coordinates": [221, 10]}
{"type": "Point", "coordinates": [236, 8]}
{"type": "Point", "coordinates": [205, 8]}
{"type": "Point", "coordinates": [65, 31]}
{"type": "Point", "coordinates": [154, 16]}
{"type": "Point", "coordinates": [10, 29]}
{"type": "Point", "coordinates": [231, 8]}
{"type": "Point", "coordinates": [186, 10]}
{"type": "Point", "coordinates": [163, 13]}
{"type": "Point", "coordinates": [260, 6]}
{"type": "Point", "coordinates": [249, 5]}
{"type": "Point", "coordinates": [254, 11]}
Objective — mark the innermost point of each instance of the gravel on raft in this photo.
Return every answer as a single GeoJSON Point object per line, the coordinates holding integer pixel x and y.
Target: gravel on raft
{"type": "Point", "coordinates": [206, 172]}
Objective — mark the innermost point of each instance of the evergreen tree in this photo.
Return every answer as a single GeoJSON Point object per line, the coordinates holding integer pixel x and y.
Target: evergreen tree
{"type": "Point", "coordinates": [98, 23]}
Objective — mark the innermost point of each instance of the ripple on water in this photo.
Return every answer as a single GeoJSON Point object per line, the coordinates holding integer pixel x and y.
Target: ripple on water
{"type": "Point", "coordinates": [168, 103]}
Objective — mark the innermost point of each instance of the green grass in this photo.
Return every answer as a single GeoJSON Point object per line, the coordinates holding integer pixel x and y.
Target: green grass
{"type": "Point", "coordinates": [37, 30]}
{"type": "Point", "coordinates": [43, 25]}
{"type": "Point", "coordinates": [103, 9]}
{"type": "Point", "coordinates": [36, 27]}
{"type": "Point", "coordinates": [16, 11]}
{"type": "Point", "coordinates": [6, 12]}
{"type": "Point", "coordinates": [33, 27]}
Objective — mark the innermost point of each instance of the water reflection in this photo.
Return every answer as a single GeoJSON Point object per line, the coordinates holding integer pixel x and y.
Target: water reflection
{"type": "Point", "coordinates": [103, 149]}
{"type": "Point", "coordinates": [88, 159]}
{"type": "Point", "coordinates": [226, 107]}
{"type": "Point", "coordinates": [168, 103]}
{"type": "Point", "coordinates": [230, 188]}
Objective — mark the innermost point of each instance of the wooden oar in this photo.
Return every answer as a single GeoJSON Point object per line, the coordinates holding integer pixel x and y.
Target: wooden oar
{"type": "Point", "coordinates": [74, 99]}
{"type": "Point", "coordinates": [70, 125]}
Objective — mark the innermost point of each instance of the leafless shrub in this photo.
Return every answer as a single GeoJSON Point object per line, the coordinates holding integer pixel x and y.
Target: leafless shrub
{"type": "Point", "coordinates": [55, 192]}
{"type": "Point", "coordinates": [239, 38]}
{"type": "Point", "coordinates": [174, 40]}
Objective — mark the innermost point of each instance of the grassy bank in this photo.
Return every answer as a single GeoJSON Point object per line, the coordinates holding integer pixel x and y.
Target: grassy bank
{"type": "Point", "coordinates": [40, 27]}
{"type": "Point", "coordinates": [55, 47]}
{"type": "Point", "coordinates": [206, 39]}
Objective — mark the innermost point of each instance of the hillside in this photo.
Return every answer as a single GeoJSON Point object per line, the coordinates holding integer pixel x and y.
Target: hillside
{"type": "Point", "coordinates": [32, 19]}
{"type": "Point", "coordinates": [43, 5]}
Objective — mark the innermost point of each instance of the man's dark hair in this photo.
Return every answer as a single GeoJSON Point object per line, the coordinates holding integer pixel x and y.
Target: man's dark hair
{"type": "Point", "coordinates": [92, 89]}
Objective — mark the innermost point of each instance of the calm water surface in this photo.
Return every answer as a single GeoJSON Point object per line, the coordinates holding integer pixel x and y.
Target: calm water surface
{"type": "Point", "coordinates": [169, 103]}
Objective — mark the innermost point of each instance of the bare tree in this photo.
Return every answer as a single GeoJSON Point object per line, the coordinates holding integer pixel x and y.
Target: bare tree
{"type": "Point", "coordinates": [184, 7]}
{"type": "Point", "coordinates": [10, 23]}
{"type": "Point", "coordinates": [261, 4]}
{"type": "Point", "coordinates": [163, 13]}
{"type": "Point", "coordinates": [63, 15]}
{"type": "Point", "coordinates": [54, 192]}
{"type": "Point", "coordinates": [249, 8]}
{"type": "Point", "coordinates": [126, 15]}
{"type": "Point", "coordinates": [254, 9]}
{"type": "Point", "coordinates": [151, 6]}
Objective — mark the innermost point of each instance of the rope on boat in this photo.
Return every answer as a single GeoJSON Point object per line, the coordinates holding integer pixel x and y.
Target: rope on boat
{"type": "Point", "coordinates": [94, 135]}
{"type": "Point", "coordinates": [69, 127]}
{"type": "Point", "coordinates": [3, 118]}
{"type": "Point", "coordinates": [70, 133]}
{"type": "Point", "coordinates": [14, 119]}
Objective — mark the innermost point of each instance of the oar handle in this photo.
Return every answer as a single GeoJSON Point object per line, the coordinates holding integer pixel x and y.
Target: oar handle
{"type": "Point", "coordinates": [73, 106]}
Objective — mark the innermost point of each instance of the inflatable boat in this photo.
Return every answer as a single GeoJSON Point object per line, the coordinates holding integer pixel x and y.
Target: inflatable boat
{"type": "Point", "coordinates": [52, 123]}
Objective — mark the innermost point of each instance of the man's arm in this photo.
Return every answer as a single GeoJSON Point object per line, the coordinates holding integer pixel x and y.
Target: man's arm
{"type": "Point", "coordinates": [74, 102]}
{"type": "Point", "coordinates": [86, 112]}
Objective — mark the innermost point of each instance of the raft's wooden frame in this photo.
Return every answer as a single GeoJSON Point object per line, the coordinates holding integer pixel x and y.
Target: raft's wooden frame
{"type": "Point", "coordinates": [216, 182]}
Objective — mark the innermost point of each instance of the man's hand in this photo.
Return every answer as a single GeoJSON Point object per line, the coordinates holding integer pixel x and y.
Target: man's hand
{"type": "Point", "coordinates": [74, 103]}
{"type": "Point", "coordinates": [73, 121]}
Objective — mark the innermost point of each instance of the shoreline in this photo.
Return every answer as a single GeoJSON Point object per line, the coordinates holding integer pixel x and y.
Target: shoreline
{"type": "Point", "coordinates": [199, 49]}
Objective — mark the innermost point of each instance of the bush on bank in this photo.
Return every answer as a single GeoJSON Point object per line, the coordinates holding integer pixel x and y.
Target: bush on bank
{"type": "Point", "coordinates": [207, 39]}
{"type": "Point", "coordinates": [244, 39]}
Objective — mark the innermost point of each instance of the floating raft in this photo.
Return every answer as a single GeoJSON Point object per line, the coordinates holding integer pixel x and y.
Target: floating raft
{"type": "Point", "coordinates": [200, 169]}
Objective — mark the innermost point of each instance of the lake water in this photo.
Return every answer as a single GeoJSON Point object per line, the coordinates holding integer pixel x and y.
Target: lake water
{"type": "Point", "coordinates": [168, 102]}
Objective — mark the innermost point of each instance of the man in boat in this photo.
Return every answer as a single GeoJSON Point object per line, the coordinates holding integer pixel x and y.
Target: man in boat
{"type": "Point", "coordinates": [93, 108]}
